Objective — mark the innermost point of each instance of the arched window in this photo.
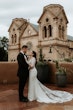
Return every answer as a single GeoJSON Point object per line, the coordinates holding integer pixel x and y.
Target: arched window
{"type": "Point", "coordinates": [15, 38]}
{"type": "Point", "coordinates": [12, 39]}
{"type": "Point", "coordinates": [60, 33]}
{"type": "Point", "coordinates": [45, 32]}
{"type": "Point", "coordinates": [63, 32]}
{"type": "Point", "coordinates": [13, 29]}
{"type": "Point", "coordinates": [50, 30]}
{"type": "Point", "coordinates": [47, 19]}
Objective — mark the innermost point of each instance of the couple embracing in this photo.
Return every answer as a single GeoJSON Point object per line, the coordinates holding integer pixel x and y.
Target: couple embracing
{"type": "Point", "coordinates": [36, 90]}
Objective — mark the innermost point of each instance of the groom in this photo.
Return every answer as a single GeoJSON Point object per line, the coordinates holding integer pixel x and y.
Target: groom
{"type": "Point", "coordinates": [23, 72]}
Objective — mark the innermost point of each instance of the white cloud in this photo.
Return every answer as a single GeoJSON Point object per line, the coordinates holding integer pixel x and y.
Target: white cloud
{"type": "Point", "coordinates": [30, 9]}
{"type": "Point", "coordinates": [3, 31]}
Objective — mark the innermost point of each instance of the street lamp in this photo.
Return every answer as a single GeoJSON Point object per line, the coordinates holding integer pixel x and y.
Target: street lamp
{"type": "Point", "coordinates": [50, 51]}
{"type": "Point", "coordinates": [61, 54]}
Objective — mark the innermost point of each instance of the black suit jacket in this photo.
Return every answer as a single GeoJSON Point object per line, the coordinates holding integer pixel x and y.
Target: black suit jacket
{"type": "Point", "coordinates": [22, 66]}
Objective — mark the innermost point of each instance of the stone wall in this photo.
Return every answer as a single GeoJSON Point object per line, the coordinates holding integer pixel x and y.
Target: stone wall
{"type": "Point", "coordinates": [8, 72]}
{"type": "Point", "coordinates": [52, 70]}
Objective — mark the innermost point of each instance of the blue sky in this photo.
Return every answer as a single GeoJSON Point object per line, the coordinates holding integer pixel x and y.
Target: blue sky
{"type": "Point", "coordinates": [30, 9]}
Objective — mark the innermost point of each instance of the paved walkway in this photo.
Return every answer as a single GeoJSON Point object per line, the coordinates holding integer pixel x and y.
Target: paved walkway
{"type": "Point", "coordinates": [9, 99]}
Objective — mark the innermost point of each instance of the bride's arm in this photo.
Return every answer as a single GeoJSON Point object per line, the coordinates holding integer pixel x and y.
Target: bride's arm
{"type": "Point", "coordinates": [32, 63]}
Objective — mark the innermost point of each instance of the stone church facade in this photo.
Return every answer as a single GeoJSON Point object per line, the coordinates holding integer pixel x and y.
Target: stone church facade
{"type": "Point", "coordinates": [50, 34]}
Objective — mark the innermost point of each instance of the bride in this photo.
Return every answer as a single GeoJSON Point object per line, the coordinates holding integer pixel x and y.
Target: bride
{"type": "Point", "coordinates": [37, 91]}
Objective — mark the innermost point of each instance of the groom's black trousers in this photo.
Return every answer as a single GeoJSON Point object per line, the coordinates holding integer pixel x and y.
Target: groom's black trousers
{"type": "Point", "coordinates": [22, 82]}
{"type": "Point", "coordinates": [22, 73]}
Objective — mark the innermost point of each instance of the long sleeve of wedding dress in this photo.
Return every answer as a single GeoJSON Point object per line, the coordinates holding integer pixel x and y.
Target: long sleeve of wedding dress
{"type": "Point", "coordinates": [37, 91]}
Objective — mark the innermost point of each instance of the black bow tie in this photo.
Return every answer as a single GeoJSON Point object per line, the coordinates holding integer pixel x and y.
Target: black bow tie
{"type": "Point", "coordinates": [25, 55]}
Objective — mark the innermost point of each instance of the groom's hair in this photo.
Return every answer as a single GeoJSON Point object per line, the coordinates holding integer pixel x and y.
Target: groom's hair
{"type": "Point", "coordinates": [24, 46]}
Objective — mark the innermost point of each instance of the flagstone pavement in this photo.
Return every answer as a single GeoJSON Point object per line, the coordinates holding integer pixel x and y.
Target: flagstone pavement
{"type": "Point", "coordinates": [9, 99]}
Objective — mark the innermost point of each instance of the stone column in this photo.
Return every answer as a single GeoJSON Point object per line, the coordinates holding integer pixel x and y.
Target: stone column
{"type": "Point", "coordinates": [40, 32]}
{"type": "Point", "coordinates": [55, 31]}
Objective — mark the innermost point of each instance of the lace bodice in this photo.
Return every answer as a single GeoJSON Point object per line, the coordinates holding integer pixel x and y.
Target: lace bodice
{"type": "Point", "coordinates": [32, 62]}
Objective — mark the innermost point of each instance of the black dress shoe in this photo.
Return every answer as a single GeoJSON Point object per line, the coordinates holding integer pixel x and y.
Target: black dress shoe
{"type": "Point", "coordinates": [23, 100]}
{"type": "Point", "coordinates": [25, 97]}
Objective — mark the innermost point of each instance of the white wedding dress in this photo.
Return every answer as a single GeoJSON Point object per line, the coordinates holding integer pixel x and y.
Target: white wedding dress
{"type": "Point", "coordinates": [37, 91]}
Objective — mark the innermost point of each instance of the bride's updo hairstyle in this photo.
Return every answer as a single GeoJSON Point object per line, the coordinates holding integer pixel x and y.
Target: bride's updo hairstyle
{"type": "Point", "coordinates": [34, 54]}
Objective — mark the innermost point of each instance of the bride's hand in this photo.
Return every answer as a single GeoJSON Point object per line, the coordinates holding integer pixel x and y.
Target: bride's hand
{"type": "Point", "coordinates": [30, 67]}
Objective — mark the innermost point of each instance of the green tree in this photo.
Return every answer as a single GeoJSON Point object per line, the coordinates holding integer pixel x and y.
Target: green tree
{"type": "Point", "coordinates": [4, 42]}
{"type": "Point", "coordinates": [4, 49]}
